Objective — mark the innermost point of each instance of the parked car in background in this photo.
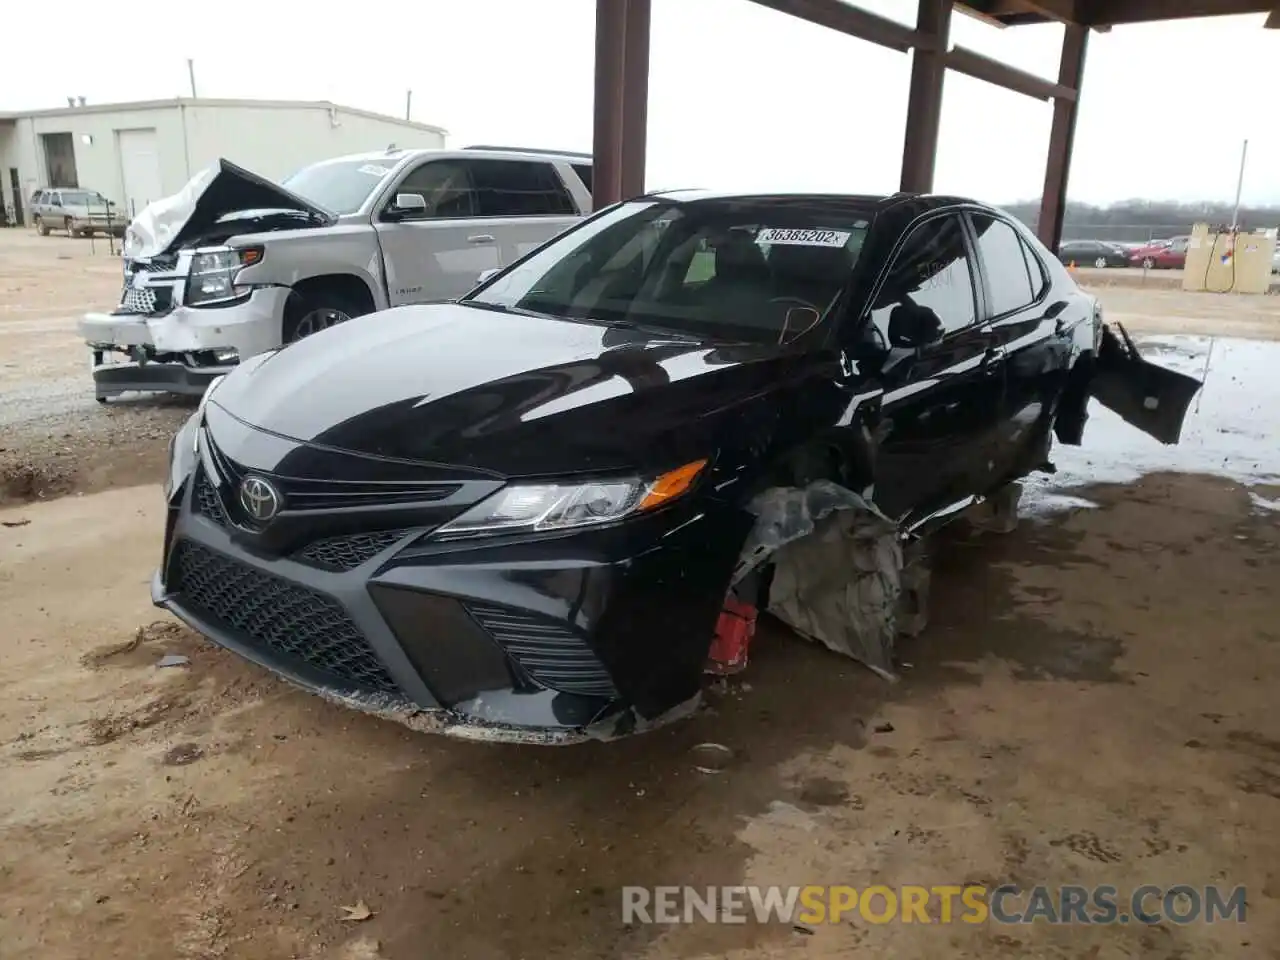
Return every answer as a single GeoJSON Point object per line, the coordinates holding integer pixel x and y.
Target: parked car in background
{"type": "Point", "coordinates": [1168, 254]}
{"type": "Point", "coordinates": [234, 264]}
{"type": "Point", "coordinates": [1093, 253]}
{"type": "Point", "coordinates": [517, 515]}
{"type": "Point", "coordinates": [79, 212]}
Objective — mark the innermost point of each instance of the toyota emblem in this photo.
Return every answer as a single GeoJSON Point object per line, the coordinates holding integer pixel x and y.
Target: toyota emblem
{"type": "Point", "coordinates": [260, 499]}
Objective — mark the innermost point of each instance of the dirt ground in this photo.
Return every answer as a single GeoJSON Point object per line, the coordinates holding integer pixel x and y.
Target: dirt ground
{"type": "Point", "coordinates": [1091, 704]}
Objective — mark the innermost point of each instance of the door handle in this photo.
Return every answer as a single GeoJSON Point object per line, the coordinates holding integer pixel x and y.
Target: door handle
{"type": "Point", "coordinates": [481, 238]}
{"type": "Point", "coordinates": [991, 359]}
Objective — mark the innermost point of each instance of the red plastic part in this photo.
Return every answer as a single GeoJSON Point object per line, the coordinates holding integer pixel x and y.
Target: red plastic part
{"type": "Point", "coordinates": [732, 642]}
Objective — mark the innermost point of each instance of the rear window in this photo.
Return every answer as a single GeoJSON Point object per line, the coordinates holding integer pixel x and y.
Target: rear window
{"type": "Point", "coordinates": [769, 274]}
{"type": "Point", "coordinates": [583, 170]}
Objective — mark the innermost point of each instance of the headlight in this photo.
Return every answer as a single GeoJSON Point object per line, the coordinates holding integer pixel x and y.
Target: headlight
{"type": "Point", "coordinates": [213, 273]}
{"type": "Point", "coordinates": [182, 455]}
{"type": "Point", "coordinates": [542, 507]}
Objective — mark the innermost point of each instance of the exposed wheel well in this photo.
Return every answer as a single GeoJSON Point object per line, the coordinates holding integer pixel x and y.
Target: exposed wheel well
{"type": "Point", "coordinates": [1073, 405]}
{"type": "Point", "coordinates": [350, 289]}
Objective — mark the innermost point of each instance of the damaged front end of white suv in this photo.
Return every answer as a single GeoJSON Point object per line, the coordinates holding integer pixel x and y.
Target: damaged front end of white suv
{"type": "Point", "coordinates": [186, 313]}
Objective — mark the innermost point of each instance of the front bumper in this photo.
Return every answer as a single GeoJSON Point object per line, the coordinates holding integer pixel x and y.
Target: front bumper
{"type": "Point", "coordinates": [97, 225]}
{"type": "Point", "coordinates": [590, 636]}
{"type": "Point", "coordinates": [249, 327]}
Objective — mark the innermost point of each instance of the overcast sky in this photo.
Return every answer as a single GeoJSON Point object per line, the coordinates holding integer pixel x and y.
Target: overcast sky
{"type": "Point", "coordinates": [740, 96]}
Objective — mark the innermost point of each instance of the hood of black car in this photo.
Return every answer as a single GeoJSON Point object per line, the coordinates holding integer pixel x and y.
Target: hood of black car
{"type": "Point", "coordinates": [516, 394]}
{"type": "Point", "coordinates": [220, 189]}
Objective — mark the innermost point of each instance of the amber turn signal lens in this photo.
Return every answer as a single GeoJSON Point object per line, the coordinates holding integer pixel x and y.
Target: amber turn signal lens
{"type": "Point", "coordinates": [672, 484]}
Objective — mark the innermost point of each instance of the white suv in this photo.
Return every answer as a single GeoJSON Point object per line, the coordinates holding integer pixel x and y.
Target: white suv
{"type": "Point", "coordinates": [234, 265]}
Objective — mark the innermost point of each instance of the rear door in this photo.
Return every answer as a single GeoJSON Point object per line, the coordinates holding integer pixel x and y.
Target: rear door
{"type": "Point", "coordinates": [943, 386]}
{"type": "Point", "coordinates": [436, 253]}
{"type": "Point", "coordinates": [521, 203]}
{"type": "Point", "coordinates": [1033, 334]}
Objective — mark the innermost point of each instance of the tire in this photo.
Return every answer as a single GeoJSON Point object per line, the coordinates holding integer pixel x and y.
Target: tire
{"type": "Point", "coordinates": [312, 312]}
{"type": "Point", "coordinates": [1148, 264]}
{"type": "Point", "coordinates": [42, 228]}
{"type": "Point", "coordinates": [1101, 263]}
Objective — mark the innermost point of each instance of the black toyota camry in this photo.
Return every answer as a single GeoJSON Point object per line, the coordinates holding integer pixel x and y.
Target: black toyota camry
{"type": "Point", "coordinates": [517, 515]}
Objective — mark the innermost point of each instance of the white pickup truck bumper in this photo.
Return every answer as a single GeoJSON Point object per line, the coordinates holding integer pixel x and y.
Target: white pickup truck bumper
{"type": "Point", "coordinates": [249, 328]}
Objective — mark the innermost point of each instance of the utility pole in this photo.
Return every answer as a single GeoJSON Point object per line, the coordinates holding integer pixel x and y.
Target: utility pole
{"type": "Point", "coordinates": [191, 75]}
{"type": "Point", "coordinates": [408, 103]}
{"type": "Point", "coordinates": [1244, 156]}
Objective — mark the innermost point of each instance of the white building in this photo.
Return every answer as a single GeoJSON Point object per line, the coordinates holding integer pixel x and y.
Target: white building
{"type": "Point", "coordinates": [134, 153]}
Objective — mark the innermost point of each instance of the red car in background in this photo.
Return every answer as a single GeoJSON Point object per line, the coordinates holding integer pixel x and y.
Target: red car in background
{"type": "Point", "coordinates": [1161, 254]}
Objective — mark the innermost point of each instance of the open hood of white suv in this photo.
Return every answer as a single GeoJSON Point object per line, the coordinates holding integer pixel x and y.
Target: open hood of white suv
{"type": "Point", "coordinates": [221, 189]}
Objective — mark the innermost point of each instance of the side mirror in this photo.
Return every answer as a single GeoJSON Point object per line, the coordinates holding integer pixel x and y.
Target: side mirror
{"type": "Point", "coordinates": [488, 274]}
{"type": "Point", "coordinates": [912, 326]}
{"type": "Point", "coordinates": [407, 205]}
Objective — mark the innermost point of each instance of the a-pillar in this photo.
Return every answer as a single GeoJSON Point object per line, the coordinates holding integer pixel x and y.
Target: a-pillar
{"type": "Point", "coordinates": [621, 99]}
{"type": "Point", "coordinates": [924, 108]}
{"type": "Point", "coordinates": [1053, 202]}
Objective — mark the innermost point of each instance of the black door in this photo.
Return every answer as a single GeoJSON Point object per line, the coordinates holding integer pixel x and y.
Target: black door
{"type": "Point", "coordinates": [1034, 333]}
{"type": "Point", "coordinates": [16, 185]}
{"type": "Point", "coordinates": [943, 384]}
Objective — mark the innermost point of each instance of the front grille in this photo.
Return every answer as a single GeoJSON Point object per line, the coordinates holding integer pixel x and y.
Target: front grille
{"type": "Point", "coordinates": [205, 499]}
{"type": "Point", "coordinates": [347, 552]}
{"type": "Point", "coordinates": [309, 494]}
{"type": "Point", "coordinates": [550, 653]}
{"type": "Point", "coordinates": [288, 620]}
{"type": "Point", "coordinates": [148, 300]}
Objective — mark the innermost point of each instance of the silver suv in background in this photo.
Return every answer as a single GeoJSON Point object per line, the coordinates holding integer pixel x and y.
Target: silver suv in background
{"type": "Point", "coordinates": [234, 265]}
{"type": "Point", "coordinates": [79, 212]}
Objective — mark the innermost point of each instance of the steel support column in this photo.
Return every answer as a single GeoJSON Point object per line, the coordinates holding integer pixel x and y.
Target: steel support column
{"type": "Point", "coordinates": [607, 140]}
{"type": "Point", "coordinates": [924, 109]}
{"type": "Point", "coordinates": [635, 97]}
{"type": "Point", "coordinates": [1053, 202]}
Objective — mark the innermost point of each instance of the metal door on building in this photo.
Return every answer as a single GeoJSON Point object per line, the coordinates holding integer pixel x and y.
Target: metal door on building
{"type": "Point", "coordinates": [17, 216]}
{"type": "Point", "coordinates": [139, 167]}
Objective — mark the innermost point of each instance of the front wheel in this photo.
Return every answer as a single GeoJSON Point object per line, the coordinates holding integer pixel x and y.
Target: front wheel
{"type": "Point", "coordinates": [42, 228]}
{"type": "Point", "coordinates": [313, 312]}
{"type": "Point", "coordinates": [1101, 263]}
{"type": "Point", "coordinates": [1148, 264]}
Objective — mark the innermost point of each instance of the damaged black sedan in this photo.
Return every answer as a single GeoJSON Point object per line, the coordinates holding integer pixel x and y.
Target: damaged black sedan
{"type": "Point", "coordinates": [526, 514]}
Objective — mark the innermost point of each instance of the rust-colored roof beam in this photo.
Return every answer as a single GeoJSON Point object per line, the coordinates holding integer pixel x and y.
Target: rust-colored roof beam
{"type": "Point", "coordinates": [1118, 12]}
{"type": "Point", "coordinates": [1064, 11]}
{"type": "Point", "coordinates": [972, 64]}
{"type": "Point", "coordinates": [841, 17]}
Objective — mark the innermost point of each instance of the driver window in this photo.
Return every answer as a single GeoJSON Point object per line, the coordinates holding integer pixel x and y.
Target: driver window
{"type": "Point", "coordinates": [446, 186]}
{"type": "Point", "coordinates": [930, 285]}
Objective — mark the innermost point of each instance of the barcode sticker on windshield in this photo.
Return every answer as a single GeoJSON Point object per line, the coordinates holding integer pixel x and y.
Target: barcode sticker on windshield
{"type": "Point", "coordinates": [803, 237]}
{"type": "Point", "coordinates": [374, 170]}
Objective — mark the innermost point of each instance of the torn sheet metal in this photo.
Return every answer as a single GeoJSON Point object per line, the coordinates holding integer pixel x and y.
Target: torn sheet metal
{"type": "Point", "coordinates": [840, 573]}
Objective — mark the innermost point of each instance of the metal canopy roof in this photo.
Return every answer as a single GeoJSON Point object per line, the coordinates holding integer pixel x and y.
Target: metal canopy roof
{"type": "Point", "coordinates": [622, 76]}
{"type": "Point", "coordinates": [1104, 14]}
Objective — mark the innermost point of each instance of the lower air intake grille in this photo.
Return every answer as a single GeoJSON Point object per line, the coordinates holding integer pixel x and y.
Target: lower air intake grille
{"type": "Point", "coordinates": [551, 653]}
{"type": "Point", "coordinates": [283, 618]}
{"type": "Point", "coordinates": [347, 553]}
{"type": "Point", "coordinates": [206, 501]}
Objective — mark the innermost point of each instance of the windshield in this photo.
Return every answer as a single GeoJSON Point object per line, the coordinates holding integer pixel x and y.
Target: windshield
{"type": "Point", "coordinates": [339, 185]}
{"type": "Point", "coordinates": [82, 197]}
{"type": "Point", "coordinates": [766, 271]}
